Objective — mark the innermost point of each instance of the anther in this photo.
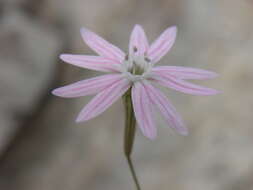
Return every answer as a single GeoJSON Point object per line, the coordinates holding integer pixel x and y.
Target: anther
{"type": "Point", "coordinates": [147, 59]}
{"type": "Point", "coordinates": [135, 49]}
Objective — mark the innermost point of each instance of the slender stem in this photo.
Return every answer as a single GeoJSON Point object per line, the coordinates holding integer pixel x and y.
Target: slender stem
{"type": "Point", "coordinates": [130, 123]}
{"type": "Point", "coordinates": [133, 173]}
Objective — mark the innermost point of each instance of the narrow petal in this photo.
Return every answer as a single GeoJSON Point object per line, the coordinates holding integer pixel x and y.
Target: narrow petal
{"type": "Point", "coordinates": [138, 40]}
{"type": "Point", "coordinates": [184, 72]}
{"type": "Point", "coordinates": [101, 46]}
{"type": "Point", "coordinates": [88, 86]}
{"type": "Point", "coordinates": [166, 108]}
{"type": "Point", "coordinates": [163, 44]}
{"type": "Point", "coordinates": [103, 100]}
{"type": "Point", "coordinates": [183, 86]}
{"type": "Point", "coordinates": [91, 62]}
{"type": "Point", "coordinates": [142, 110]}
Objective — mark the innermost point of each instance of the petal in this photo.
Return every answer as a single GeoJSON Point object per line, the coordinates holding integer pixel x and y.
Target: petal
{"type": "Point", "coordinates": [88, 86]}
{"type": "Point", "coordinates": [142, 111]}
{"type": "Point", "coordinates": [183, 86]}
{"type": "Point", "coordinates": [184, 72]}
{"type": "Point", "coordinates": [101, 46]}
{"type": "Point", "coordinates": [103, 100]}
{"type": "Point", "coordinates": [166, 108]}
{"type": "Point", "coordinates": [138, 40]}
{"type": "Point", "coordinates": [163, 44]}
{"type": "Point", "coordinates": [91, 62]}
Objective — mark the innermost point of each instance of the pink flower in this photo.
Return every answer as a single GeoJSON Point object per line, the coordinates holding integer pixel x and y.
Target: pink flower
{"type": "Point", "coordinates": [137, 71]}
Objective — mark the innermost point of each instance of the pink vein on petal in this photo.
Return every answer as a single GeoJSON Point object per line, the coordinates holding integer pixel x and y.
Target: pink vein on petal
{"type": "Point", "coordinates": [184, 72]}
{"type": "Point", "coordinates": [103, 100]}
{"type": "Point", "coordinates": [183, 86]}
{"type": "Point", "coordinates": [162, 44]}
{"type": "Point", "coordinates": [96, 63]}
{"type": "Point", "coordinates": [139, 40]}
{"type": "Point", "coordinates": [166, 108]}
{"type": "Point", "coordinates": [142, 110]}
{"type": "Point", "coordinates": [101, 46]}
{"type": "Point", "coordinates": [88, 86]}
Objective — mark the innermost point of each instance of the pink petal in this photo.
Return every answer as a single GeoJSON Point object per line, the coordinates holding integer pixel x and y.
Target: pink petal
{"type": "Point", "coordinates": [92, 62]}
{"type": "Point", "coordinates": [163, 44]}
{"type": "Point", "coordinates": [103, 100]}
{"type": "Point", "coordinates": [167, 109]}
{"type": "Point", "coordinates": [88, 86]}
{"type": "Point", "coordinates": [138, 40]}
{"type": "Point", "coordinates": [183, 86]}
{"type": "Point", "coordinates": [142, 110]}
{"type": "Point", "coordinates": [101, 46]}
{"type": "Point", "coordinates": [184, 72]}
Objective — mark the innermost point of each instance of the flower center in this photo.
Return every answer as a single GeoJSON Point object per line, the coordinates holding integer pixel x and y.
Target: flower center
{"type": "Point", "coordinates": [136, 66]}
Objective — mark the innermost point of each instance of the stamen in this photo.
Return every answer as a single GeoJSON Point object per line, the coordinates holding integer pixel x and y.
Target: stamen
{"type": "Point", "coordinates": [147, 59]}
{"type": "Point", "coordinates": [136, 65]}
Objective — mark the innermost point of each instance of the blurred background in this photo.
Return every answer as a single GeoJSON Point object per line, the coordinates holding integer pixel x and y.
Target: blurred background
{"type": "Point", "coordinates": [42, 148]}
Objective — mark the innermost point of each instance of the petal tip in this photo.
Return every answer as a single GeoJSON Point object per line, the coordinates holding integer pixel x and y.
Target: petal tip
{"type": "Point", "coordinates": [85, 33]}
{"type": "Point", "coordinates": [82, 117]}
{"type": "Point", "coordinates": [59, 93]}
{"type": "Point", "coordinates": [174, 27]}
{"type": "Point", "coordinates": [55, 92]}
{"type": "Point", "coordinates": [137, 26]}
{"type": "Point", "coordinates": [210, 92]}
{"type": "Point", "coordinates": [63, 56]}
{"type": "Point", "coordinates": [83, 30]}
{"type": "Point", "coordinates": [184, 132]}
{"type": "Point", "coordinates": [218, 92]}
{"type": "Point", "coordinates": [78, 120]}
{"type": "Point", "coordinates": [213, 92]}
{"type": "Point", "coordinates": [151, 137]}
{"type": "Point", "coordinates": [174, 30]}
{"type": "Point", "coordinates": [211, 75]}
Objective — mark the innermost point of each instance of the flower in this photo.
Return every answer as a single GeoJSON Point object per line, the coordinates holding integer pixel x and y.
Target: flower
{"type": "Point", "coordinates": [135, 71]}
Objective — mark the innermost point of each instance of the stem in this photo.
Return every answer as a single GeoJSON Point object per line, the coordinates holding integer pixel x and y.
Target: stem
{"type": "Point", "coordinates": [129, 161]}
{"type": "Point", "coordinates": [130, 123]}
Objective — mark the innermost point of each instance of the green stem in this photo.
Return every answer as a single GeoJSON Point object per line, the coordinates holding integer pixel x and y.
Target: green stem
{"type": "Point", "coordinates": [130, 123]}
{"type": "Point", "coordinates": [133, 173]}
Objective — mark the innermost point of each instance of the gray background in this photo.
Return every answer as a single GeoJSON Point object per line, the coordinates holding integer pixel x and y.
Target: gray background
{"type": "Point", "coordinates": [42, 148]}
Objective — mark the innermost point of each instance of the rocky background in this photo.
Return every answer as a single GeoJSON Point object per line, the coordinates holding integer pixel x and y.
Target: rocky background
{"type": "Point", "coordinates": [42, 148]}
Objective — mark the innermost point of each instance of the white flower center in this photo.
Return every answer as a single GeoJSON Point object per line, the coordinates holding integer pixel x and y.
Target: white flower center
{"type": "Point", "coordinates": [136, 67]}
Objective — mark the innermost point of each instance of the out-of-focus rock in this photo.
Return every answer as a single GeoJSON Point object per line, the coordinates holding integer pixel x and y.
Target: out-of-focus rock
{"type": "Point", "coordinates": [217, 155]}
{"type": "Point", "coordinates": [28, 53]}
